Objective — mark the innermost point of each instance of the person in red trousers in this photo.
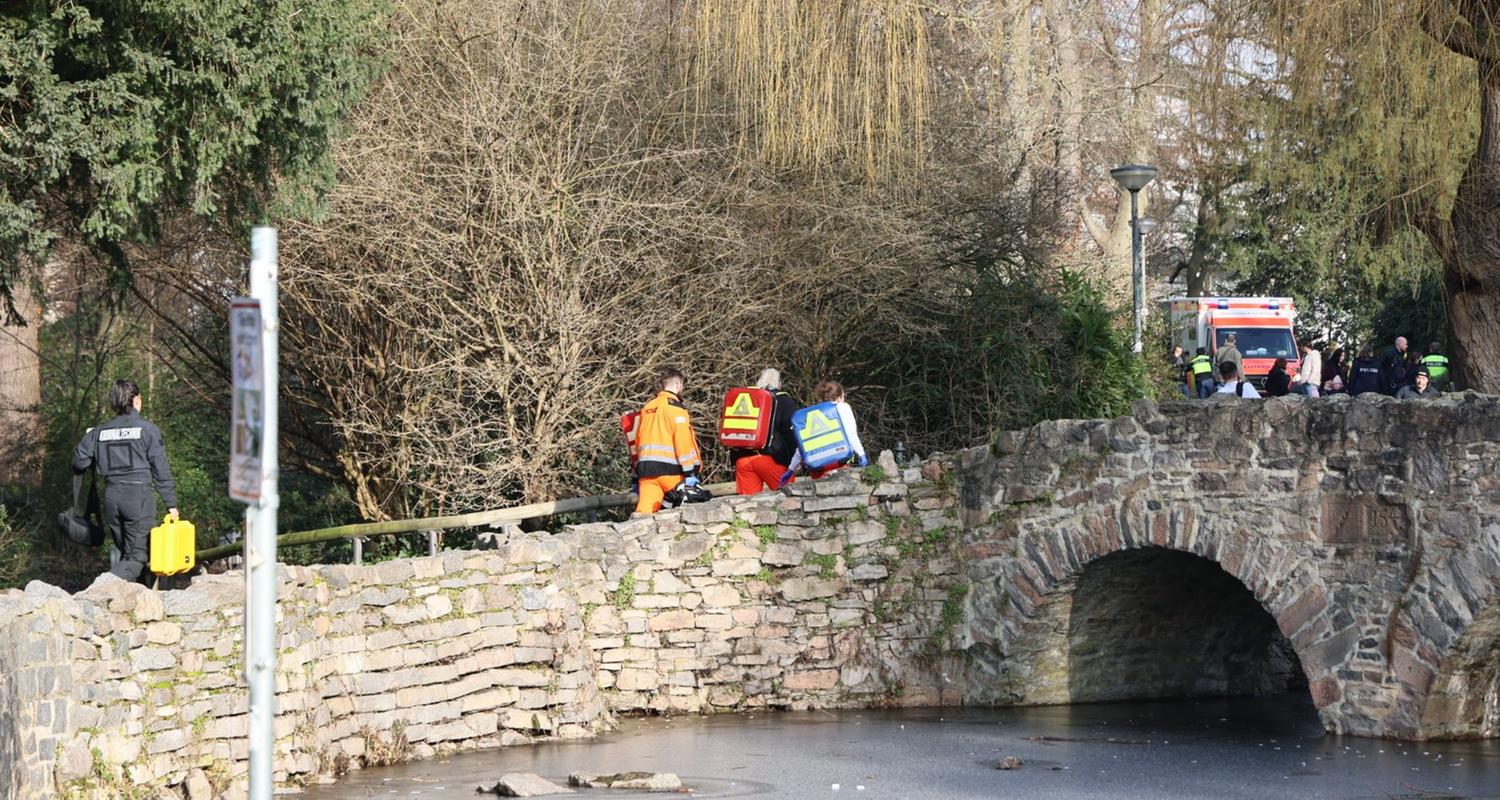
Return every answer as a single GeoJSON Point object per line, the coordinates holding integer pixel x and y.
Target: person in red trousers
{"type": "Point", "coordinates": [758, 470]}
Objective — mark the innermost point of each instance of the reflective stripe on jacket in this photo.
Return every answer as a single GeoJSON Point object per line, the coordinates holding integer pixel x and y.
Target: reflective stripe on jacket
{"type": "Point", "coordinates": [1202, 365]}
{"type": "Point", "coordinates": [666, 441]}
{"type": "Point", "coordinates": [1437, 366]}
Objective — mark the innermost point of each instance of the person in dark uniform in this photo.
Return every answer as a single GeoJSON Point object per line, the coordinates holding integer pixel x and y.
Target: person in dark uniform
{"type": "Point", "coordinates": [129, 454]}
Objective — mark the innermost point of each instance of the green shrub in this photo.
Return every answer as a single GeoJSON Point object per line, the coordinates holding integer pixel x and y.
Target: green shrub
{"type": "Point", "coordinates": [1018, 346]}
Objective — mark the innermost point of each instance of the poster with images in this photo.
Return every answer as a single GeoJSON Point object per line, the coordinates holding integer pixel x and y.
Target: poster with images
{"type": "Point", "coordinates": [247, 411]}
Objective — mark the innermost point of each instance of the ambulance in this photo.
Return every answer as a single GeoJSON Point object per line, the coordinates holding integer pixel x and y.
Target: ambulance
{"type": "Point", "coordinates": [1262, 327]}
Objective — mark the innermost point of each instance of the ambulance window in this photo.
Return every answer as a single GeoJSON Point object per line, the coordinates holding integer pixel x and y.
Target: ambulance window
{"type": "Point", "coordinates": [1260, 342]}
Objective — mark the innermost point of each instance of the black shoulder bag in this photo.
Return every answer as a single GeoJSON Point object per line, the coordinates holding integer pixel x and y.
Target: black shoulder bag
{"type": "Point", "coordinates": [82, 525]}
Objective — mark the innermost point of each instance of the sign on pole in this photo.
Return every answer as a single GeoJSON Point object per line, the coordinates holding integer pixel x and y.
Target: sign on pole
{"type": "Point", "coordinates": [247, 421]}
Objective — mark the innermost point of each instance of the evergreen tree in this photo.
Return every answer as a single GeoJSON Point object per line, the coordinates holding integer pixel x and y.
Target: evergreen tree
{"type": "Point", "coordinates": [117, 115]}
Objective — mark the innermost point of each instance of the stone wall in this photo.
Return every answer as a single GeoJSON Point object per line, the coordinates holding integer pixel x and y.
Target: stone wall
{"type": "Point", "coordinates": [836, 593]}
{"type": "Point", "coordinates": [1364, 537]}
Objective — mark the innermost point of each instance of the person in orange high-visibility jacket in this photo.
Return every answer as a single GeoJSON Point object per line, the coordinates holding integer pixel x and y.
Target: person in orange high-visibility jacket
{"type": "Point", "coordinates": [668, 449]}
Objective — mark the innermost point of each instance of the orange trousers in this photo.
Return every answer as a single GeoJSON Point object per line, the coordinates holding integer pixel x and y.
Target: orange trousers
{"type": "Point", "coordinates": [653, 490]}
{"type": "Point", "coordinates": [757, 472]}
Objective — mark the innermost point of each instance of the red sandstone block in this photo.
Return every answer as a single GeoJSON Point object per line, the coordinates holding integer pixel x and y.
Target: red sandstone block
{"type": "Point", "coordinates": [1309, 605]}
{"type": "Point", "coordinates": [1325, 692]}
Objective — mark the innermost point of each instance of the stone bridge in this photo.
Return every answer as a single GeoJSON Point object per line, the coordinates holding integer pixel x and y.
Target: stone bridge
{"type": "Point", "coordinates": [1346, 549]}
{"type": "Point", "coordinates": [1352, 547]}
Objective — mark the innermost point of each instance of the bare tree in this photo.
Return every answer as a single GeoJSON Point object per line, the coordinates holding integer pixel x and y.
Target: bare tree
{"type": "Point", "coordinates": [533, 216]}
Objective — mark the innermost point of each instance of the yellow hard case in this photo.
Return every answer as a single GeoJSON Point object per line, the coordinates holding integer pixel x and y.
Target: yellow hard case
{"type": "Point", "coordinates": [173, 547]}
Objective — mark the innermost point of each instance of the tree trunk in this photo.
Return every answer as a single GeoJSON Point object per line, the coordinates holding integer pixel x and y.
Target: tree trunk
{"type": "Point", "coordinates": [1205, 231]}
{"type": "Point", "coordinates": [1019, 98]}
{"type": "Point", "coordinates": [20, 394]}
{"type": "Point", "coordinates": [1070, 107]}
{"type": "Point", "coordinates": [1472, 264]}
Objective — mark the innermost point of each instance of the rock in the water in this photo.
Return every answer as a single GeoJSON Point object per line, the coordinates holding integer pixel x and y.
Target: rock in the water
{"type": "Point", "coordinates": [636, 781]}
{"type": "Point", "coordinates": [1009, 762]}
{"type": "Point", "coordinates": [527, 784]}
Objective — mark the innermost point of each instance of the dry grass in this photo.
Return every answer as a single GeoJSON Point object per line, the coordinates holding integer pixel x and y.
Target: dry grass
{"type": "Point", "coordinates": [383, 749]}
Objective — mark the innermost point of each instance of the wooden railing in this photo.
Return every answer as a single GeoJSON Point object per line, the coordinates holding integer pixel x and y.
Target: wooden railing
{"type": "Point", "coordinates": [433, 526]}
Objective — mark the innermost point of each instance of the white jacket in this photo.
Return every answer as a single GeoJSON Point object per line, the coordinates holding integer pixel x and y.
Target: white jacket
{"type": "Point", "coordinates": [846, 417]}
{"type": "Point", "coordinates": [1312, 368]}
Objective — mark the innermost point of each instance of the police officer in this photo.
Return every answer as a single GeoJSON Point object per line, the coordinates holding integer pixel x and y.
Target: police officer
{"type": "Point", "coordinates": [129, 454]}
{"type": "Point", "coordinates": [1437, 365]}
{"type": "Point", "coordinates": [1203, 373]}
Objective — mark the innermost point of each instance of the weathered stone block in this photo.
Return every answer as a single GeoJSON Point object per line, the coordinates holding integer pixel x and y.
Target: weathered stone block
{"type": "Point", "coordinates": [811, 680]}
{"type": "Point", "coordinates": [438, 605]}
{"type": "Point", "coordinates": [633, 680]}
{"type": "Point", "coordinates": [143, 659]}
{"type": "Point", "coordinates": [523, 720]}
{"type": "Point", "coordinates": [651, 601]}
{"type": "Point", "coordinates": [782, 554]}
{"type": "Point", "coordinates": [800, 589]}
{"type": "Point", "coordinates": [705, 513]}
{"type": "Point", "coordinates": [166, 742]}
{"type": "Point", "coordinates": [671, 620]}
{"type": "Point", "coordinates": [721, 596]}
{"type": "Point", "coordinates": [715, 622]}
{"type": "Point", "coordinates": [730, 568]}
{"type": "Point", "coordinates": [839, 502]}
{"type": "Point", "coordinates": [860, 533]}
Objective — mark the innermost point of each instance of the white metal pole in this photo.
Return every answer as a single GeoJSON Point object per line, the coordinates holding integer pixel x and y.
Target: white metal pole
{"type": "Point", "coordinates": [1137, 272]}
{"type": "Point", "coordinates": [260, 545]}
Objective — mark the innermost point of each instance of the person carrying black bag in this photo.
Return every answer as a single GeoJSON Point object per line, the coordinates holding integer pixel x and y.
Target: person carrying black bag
{"type": "Point", "coordinates": [128, 453]}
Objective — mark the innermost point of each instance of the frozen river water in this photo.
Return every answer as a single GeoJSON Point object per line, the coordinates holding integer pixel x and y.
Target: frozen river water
{"type": "Point", "coordinates": [1247, 748]}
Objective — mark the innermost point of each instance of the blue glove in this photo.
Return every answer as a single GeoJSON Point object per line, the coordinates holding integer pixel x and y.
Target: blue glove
{"type": "Point", "coordinates": [864, 461]}
{"type": "Point", "coordinates": [692, 480]}
{"type": "Point", "coordinates": [785, 476]}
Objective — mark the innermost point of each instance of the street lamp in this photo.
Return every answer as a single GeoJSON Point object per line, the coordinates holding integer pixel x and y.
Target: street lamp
{"type": "Point", "coordinates": [1133, 178]}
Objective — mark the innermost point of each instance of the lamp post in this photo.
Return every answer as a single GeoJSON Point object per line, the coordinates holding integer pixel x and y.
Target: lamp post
{"type": "Point", "coordinates": [1133, 178]}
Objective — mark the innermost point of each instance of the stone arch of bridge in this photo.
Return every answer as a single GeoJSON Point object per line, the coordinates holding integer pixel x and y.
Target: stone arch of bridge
{"type": "Point", "coordinates": [1153, 623]}
{"type": "Point", "coordinates": [1036, 594]}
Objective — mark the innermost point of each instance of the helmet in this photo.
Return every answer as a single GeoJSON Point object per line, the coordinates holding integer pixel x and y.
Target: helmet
{"type": "Point", "coordinates": [686, 494]}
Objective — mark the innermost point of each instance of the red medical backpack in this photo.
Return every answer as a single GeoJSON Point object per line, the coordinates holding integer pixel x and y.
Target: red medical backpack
{"type": "Point", "coordinates": [630, 425]}
{"type": "Point", "coordinates": [745, 423]}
